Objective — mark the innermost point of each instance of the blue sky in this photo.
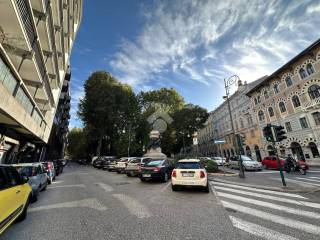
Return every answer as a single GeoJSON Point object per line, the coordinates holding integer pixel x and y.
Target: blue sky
{"type": "Point", "coordinates": [191, 45]}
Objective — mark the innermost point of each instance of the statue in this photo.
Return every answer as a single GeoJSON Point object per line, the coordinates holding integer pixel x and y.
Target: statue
{"type": "Point", "coordinates": [154, 146]}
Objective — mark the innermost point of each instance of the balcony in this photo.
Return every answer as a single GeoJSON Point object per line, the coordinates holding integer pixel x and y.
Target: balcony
{"type": "Point", "coordinates": [315, 103]}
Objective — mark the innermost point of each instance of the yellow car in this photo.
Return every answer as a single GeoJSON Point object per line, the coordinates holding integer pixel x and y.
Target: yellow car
{"type": "Point", "coordinates": [189, 173]}
{"type": "Point", "coordinates": [15, 193]}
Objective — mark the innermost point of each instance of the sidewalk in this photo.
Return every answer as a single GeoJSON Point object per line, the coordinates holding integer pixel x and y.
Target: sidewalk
{"type": "Point", "coordinates": [263, 182]}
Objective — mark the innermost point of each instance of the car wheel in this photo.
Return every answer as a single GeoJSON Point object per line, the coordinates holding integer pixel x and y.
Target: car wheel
{"type": "Point", "coordinates": [166, 177]}
{"type": "Point", "coordinates": [128, 174]}
{"type": "Point", "coordinates": [35, 197]}
{"type": "Point", "coordinates": [23, 215]}
{"type": "Point", "coordinates": [174, 188]}
{"type": "Point", "coordinates": [143, 179]}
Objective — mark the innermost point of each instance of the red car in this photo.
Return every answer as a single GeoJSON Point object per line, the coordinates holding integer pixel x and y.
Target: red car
{"type": "Point", "coordinates": [272, 163]}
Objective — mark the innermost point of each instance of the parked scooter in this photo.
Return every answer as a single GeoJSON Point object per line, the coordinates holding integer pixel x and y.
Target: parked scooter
{"type": "Point", "coordinates": [295, 166]}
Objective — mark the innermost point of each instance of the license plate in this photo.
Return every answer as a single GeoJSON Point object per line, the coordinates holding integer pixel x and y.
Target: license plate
{"type": "Point", "coordinates": [187, 174]}
{"type": "Point", "coordinates": [146, 175]}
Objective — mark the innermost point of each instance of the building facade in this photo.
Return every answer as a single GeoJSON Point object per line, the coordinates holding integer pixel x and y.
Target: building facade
{"type": "Point", "coordinates": [218, 126]}
{"type": "Point", "coordinates": [36, 38]}
{"type": "Point", "coordinates": [291, 97]}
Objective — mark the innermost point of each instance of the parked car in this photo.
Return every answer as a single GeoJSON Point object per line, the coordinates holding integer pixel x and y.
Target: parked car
{"type": "Point", "coordinates": [94, 158]}
{"type": "Point", "coordinates": [15, 194]}
{"type": "Point", "coordinates": [219, 160]}
{"type": "Point", "coordinates": [272, 163]}
{"type": "Point", "coordinates": [82, 161]}
{"type": "Point", "coordinates": [189, 173]}
{"type": "Point", "coordinates": [51, 172]}
{"type": "Point", "coordinates": [110, 164]}
{"type": "Point", "coordinates": [156, 169]}
{"type": "Point", "coordinates": [100, 162]}
{"type": "Point", "coordinates": [247, 162]}
{"type": "Point", "coordinates": [133, 166]}
{"type": "Point", "coordinates": [37, 175]}
{"type": "Point", "coordinates": [58, 166]}
{"type": "Point", "coordinates": [122, 164]}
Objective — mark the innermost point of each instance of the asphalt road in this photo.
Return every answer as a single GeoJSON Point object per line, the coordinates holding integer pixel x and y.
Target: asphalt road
{"type": "Point", "coordinates": [86, 203]}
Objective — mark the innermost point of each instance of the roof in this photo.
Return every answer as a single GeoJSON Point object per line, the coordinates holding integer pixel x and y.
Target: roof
{"type": "Point", "coordinates": [189, 160]}
{"type": "Point", "coordinates": [304, 52]}
{"type": "Point", "coordinates": [25, 164]}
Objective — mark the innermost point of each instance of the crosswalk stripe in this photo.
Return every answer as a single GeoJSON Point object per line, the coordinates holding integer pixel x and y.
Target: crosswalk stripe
{"type": "Point", "coordinates": [259, 190]}
{"type": "Point", "coordinates": [274, 218]}
{"type": "Point", "coordinates": [302, 183]}
{"type": "Point", "coordinates": [315, 177]}
{"type": "Point", "coordinates": [307, 179]}
{"type": "Point", "coordinates": [271, 205]}
{"type": "Point", "coordinates": [297, 202]}
{"type": "Point", "coordinates": [133, 206]}
{"type": "Point", "coordinates": [258, 230]}
{"type": "Point", "coordinates": [105, 187]}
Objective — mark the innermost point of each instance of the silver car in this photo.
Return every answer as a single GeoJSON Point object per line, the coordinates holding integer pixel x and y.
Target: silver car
{"type": "Point", "coordinates": [247, 162]}
{"type": "Point", "coordinates": [38, 178]}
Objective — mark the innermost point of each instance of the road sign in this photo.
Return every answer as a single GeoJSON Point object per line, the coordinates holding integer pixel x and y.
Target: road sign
{"type": "Point", "coordinates": [222, 141]}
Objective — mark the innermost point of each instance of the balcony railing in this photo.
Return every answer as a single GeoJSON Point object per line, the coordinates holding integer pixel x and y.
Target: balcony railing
{"type": "Point", "coordinates": [32, 37]}
{"type": "Point", "coordinates": [312, 103]}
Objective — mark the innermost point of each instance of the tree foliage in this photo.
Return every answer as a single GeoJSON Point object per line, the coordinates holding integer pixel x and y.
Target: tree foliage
{"type": "Point", "coordinates": [77, 144]}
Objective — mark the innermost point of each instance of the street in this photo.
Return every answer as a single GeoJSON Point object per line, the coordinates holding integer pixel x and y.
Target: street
{"type": "Point", "coordinates": [86, 203]}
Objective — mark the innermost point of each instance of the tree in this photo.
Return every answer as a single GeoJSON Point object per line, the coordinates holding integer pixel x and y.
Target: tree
{"type": "Point", "coordinates": [77, 143]}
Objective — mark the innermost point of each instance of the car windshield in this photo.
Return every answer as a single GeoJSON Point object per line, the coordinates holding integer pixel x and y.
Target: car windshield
{"type": "Point", "coordinates": [245, 158]}
{"type": "Point", "coordinates": [147, 160]}
{"type": "Point", "coordinates": [218, 158]}
{"type": "Point", "coordinates": [28, 171]}
{"type": "Point", "coordinates": [155, 163]}
{"type": "Point", "coordinates": [188, 165]}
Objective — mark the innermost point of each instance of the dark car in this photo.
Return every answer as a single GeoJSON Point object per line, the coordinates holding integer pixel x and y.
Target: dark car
{"type": "Point", "coordinates": [156, 169]}
{"type": "Point", "coordinates": [98, 163]}
{"type": "Point", "coordinates": [110, 164]}
{"type": "Point", "coordinates": [82, 161]}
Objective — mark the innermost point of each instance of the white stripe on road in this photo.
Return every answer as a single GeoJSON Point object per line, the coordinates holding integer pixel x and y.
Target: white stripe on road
{"type": "Point", "coordinates": [297, 202]}
{"type": "Point", "coordinates": [89, 202]}
{"type": "Point", "coordinates": [258, 230]}
{"type": "Point", "coordinates": [301, 183]}
{"type": "Point", "coordinates": [68, 186]}
{"type": "Point", "coordinates": [315, 177]}
{"type": "Point", "coordinates": [259, 190]}
{"type": "Point", "coordinates": [307, 179]}
{"type": "Point", "coordinates": [57, 182]}
{"type": "Point", "coordinates": [274, 218]}
{"type": "Point", "coordinates": [133, 206]}
{"type": "Point", "coordinates": [105, 187]}
{"type": "Point", "coordinates": [271, 205]}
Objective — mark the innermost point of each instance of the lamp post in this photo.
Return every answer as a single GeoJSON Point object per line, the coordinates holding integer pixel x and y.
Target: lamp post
{"type": "Point", "coordinates": [227, 84]}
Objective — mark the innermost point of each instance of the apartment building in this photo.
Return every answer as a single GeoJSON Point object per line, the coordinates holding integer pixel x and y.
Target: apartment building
{"type": "Point", "coordinates": [291, 97]}
{"type": "Point", "coordinates": [36, 39]}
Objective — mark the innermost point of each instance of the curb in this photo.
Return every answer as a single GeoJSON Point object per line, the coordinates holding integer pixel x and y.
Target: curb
{"type": "Point", "coordinates": [277, 189]}
{"type": "Point", "coordinates": [227, 174]}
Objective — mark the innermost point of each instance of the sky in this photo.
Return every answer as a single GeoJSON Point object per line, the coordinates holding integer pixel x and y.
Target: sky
{"type": "Point", "coordinates": [190, 45]}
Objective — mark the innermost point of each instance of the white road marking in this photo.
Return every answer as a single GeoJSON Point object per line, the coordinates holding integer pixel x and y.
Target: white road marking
{"type": "Point", "coordinates": [274, 218]}
{"type": "Point", "coordinates": [165, 187]}
{"type": "Point", "coordinates": [307, 179]}
{"type": "Point", "coordinates": [258, 230]}
{"type": "Point", "coordinates": [262, 172]}
{"type": "Point", "coordinates": [315, 177]}
{"type": "Point", "coordinates": [68, 186]}
{"type": "Point", "coordinates": [57, 182]}
{"type": "Point", "coordinates": [105, 187]}
{"type": "Point", "coordinates": [314, 171]}
{"type": "Point", "coordinates": [89, 203]}
{"type": "Point", "coordinates": [271, 205]}
{"type": "Point", "coordinates": [297, 202]}
{"type": "Point", "coordinates": [301, 183]}
{"type": "Point", "coordinates": [259, 190]}
{"type": "Point", "coordinates": [133, 206]}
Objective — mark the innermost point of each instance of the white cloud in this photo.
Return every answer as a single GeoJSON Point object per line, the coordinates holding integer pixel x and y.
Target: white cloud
{"type": "Point", "coordinates": [206, 41]}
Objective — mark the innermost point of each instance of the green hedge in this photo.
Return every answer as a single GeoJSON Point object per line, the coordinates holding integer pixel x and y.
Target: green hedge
{"type": "Point", "coordinates": [211, 166]}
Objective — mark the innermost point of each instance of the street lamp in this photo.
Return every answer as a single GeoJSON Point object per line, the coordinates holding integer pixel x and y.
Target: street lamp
{"type": "Point", "coordinates": [227, 84]}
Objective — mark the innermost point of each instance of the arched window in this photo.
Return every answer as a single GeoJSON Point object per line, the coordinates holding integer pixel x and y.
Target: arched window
{"type": "Point", "coordinates": [282, 107]}
{"type": "Point", "coordinates": [266, 94]}
{"type": "Point", "coordinates": [259, 99]}
{"type": "Point", "coordinates": [288, 81]}
{"type": "Point", "coordinates": [314, 91]}
{"type": "Point", "coordinates": [303, 73]}
{"type": "Point", "coordinates": [255, 101]}
{"type": "Point", "coordinates": [310, 69]}
{"type": "Point", "coordinates": [296, 101]}
{"type": "Point", "coordinates": [261, 116]}
{"type": "Point", "coordinates": [316, 118]}
{"type": "Point", "coordinates": [314, 150]}
{"type": "Point", "coordinates": [271, 112]}
{"type": "Point", "coordinates": [276, 88]}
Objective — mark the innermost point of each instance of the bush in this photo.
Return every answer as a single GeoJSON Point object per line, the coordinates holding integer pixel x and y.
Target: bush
{"type": "Point", "coordinates": [211, 166]}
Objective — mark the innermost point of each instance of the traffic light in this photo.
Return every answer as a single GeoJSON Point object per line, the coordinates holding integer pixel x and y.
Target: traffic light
{"type": "Point", "coordinates": [280, 133]}
{"type": "Point", "coordinates": [267, 133]}
{"type": "Point", "coordinates": [241, 140]}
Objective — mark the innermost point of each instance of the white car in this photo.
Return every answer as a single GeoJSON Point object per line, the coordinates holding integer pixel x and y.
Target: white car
{"type": "Point", "coordinates": [247, 162]}
{"type": "Point", "coordinates": [219, 160]}
{"type": "Point", "coordinates": [189, 173]}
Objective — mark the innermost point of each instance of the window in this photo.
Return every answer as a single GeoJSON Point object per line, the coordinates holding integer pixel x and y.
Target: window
{"type": "Point", "coordinates": [314, 91]}
{"type": "Point", "coordinates": [249, 120]}
{"type": "Point", "coordinates": [266, 94]}
{"type": "Point", "coordinates": [316, 117]}
{"type": "Point", "coordinates": [276, 88]}
{"type": "Point", "coordinates": [259, 99]}
{"type": "Point", "coordinates": [303, 122]}
{"type": "Point", "coordinates": [255, 101]}
{"type": "Point", "coordinates": [271, 112]}
{"type": "Point", "coordinates": [314, 150]}
{"type": "Point", "coordinates": [296, 101]}
{"type": "Point", "coordinates": [303, 73]}
{"type": "Point", "coordinates": [282, 107]}
{"type": "Point", "coordinates": [288, 81]}
{"type": "Point", "coordinates": [310, 69]}
{"type": "Point", "coordinates": [261, 116]}
{"type": "Point", "coordinates": [241, 123]}
{"type": "Point", "coordinates": [288, 127]}
{"type": "Point", "coordinates": [13, 177]}
{"type": "Point", "coordinates": [252, 133]}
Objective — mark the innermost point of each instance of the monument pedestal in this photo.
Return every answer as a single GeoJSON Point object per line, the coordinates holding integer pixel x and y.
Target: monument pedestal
{"type": "Point", "coordinates": [154, 149]}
